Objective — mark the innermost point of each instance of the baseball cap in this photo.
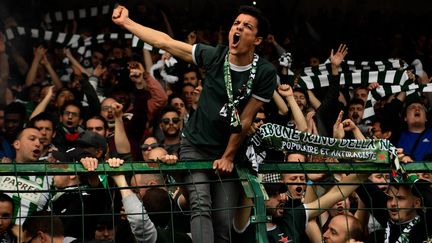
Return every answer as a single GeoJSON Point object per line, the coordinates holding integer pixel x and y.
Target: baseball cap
{"type": "Point", "coordinates": [71, 155]}
{"type": "Point", "coordinates": [89, 139]}
{"type": "Point", "coordinates": [273, 184]}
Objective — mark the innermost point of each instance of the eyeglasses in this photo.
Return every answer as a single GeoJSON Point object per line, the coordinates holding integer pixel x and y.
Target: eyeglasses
{"type": "Point", "coordinates": [70, 113]}
{"type": "Point", "coordinates": [174, 120]}
{"type": "Point", "coordinates": [145, 147]}
{"type": "Point", "coordinates": [257, 119]}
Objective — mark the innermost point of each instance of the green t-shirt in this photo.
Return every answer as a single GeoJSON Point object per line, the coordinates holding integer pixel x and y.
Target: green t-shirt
{"type": "Point", "coordinates": [207, 128]}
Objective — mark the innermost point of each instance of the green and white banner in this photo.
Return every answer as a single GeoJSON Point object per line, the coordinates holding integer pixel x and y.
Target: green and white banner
{"type": "Point", "coordinates": [277, 137]}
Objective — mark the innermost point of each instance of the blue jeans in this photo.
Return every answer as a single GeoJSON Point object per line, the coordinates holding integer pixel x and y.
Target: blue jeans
{"type": "Point", "coordinates": [211, 203]}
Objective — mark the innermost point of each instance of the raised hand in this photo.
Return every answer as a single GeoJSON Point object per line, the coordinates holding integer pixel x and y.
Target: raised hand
{"type": "Point", "coordinates": [349, 125]}
{"type": "Point", "coordinates": [338, 129]}
{"type": "Point", "coordinates": [285, 90]}
{"type": "Point", "coordinates": [39, 52]}
{"type": "Point", "coordinates": [117, 109]}
{"type": "Point", "coordinates": [337, 58]}
{"type": "Point", "coordinates": [373, 86]}
{"type": "Point", "coordinates": [67, 52]}
{"type": "Point", "coordinates": [120, 15]}
{"type": "Point", "coordinates": [137, 76]}
{"type": "Point", "coordinates": [99, 70]}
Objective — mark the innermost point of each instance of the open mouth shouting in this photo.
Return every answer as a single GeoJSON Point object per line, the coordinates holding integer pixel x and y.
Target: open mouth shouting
{"type": "Point", "coordinates": [36, 153]}
{"type": "Point", "coordinates": [236, 39]}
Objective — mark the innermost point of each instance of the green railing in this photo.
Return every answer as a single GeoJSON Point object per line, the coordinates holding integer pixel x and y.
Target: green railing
{"type": "Point", "coordinates": [251, 185]}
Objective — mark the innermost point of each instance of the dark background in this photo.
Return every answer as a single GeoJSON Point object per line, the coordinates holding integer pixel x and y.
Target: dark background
{"type": "Point", "coordinates": [373, 29]}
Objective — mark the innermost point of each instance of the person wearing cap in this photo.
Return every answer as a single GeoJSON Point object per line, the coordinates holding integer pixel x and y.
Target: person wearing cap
{"type": "Point", "coordinates": [417, 139]}
{"type": "Point", "coordinates": [402, 209]}
{"type": "Point", "coordinates": [75, 203]}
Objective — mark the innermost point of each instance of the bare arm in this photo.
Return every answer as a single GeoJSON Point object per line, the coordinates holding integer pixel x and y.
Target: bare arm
{"type": "Point", "coordinates": [335, 194]}
{"type": "Point", "coordinates": [280, 103]}
{"type": "Point", "coordinates": [313, 100]}
{"type": "Point", "coordinates": [225, 163]}
{"type": "Point", "coordinates": [41, 107]}
{"type": "Point", "coordinates": [340, 127]}
{"type": "Point", "coordinates": [120, 138]}
{"type": "Point", "coordinates": [286, 91]}
{"type": "Point", "coordinates": [75, 62]}
{"type": "Point", "coordinates": [242, 215]}
{"type": "Point", "coordinates": [153, 37]}
{"type": "Point", "coordinates": [56, 80]}
{"type": "Point", "coordinates": [39, 52]}
{"type": "Point", "coordinates": [313, 231]}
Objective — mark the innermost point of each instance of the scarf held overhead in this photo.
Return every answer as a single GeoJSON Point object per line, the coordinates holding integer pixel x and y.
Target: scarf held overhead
{"type": "Point", "coordinates": [273, 136]}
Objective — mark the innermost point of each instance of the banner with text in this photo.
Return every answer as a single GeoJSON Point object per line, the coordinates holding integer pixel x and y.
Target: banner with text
{"type": "Point", "coordinates": [273, 136]}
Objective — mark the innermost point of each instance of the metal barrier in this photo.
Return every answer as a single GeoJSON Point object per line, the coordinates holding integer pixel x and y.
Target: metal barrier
{"type": "Point", "coordinates": [251, 185]}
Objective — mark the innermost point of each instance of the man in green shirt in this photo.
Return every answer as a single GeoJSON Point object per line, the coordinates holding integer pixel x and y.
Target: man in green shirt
{"type": "Point", "coordinates": [237, 85]}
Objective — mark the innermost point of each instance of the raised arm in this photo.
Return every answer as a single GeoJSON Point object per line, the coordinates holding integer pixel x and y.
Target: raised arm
{"type": "Point", "coordinates": [280, 103]}
{"type": "Point", "coordinates": [38, 53]}
{"type": "Point", "coordinates": [43, 104]}
{"type": "Point", "coordinates": [286, 91]}
{"type": "Point", "coordinates": [340, 127]}
{"type": "Point", "coordinates": [48, 67]}
{"type": "Point", "coordinates": [153, 37]}
{"type": "Point", "coordinates": [335, 194]}
{"type": "Point", "coordinates": [75, 62]}
{"type": "Point", "coordinates": [120, 138]}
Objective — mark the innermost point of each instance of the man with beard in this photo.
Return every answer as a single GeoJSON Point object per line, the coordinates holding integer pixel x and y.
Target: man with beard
{"type": "Point", "coordinates": [237, 85]}
{"type": "Point", "coordinates": [171, 125]}
{"type": "Point", "coordinates": [355, 113]}
{"type": "Point", "coordinates": [27, 198]}
{"type": "Point", "coordinates": [402, 210]}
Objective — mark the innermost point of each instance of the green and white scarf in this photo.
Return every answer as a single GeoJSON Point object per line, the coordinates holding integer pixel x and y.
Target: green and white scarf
{"type": "Point", "coordinates": [403, 238]}
{"type": "Point", "coordinates": [229, 110]}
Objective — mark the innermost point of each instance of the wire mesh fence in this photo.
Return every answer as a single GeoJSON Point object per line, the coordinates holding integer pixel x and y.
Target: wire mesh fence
{"type": "Point", "coordinates": [145, 202]}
